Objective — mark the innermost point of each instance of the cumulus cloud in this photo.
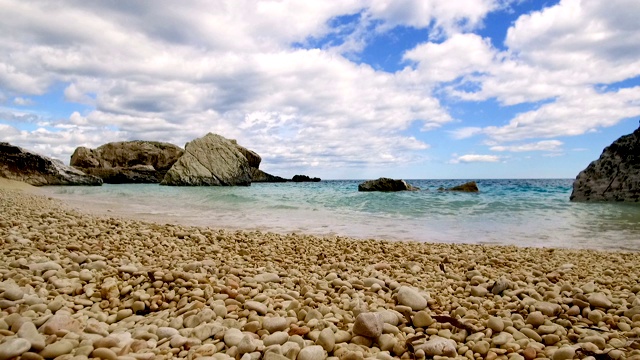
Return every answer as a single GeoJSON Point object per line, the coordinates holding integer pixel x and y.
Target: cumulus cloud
{"type": "Point", "coordinates": [545, 145]}
{"type": "Point", "coordinates": [475, 158]}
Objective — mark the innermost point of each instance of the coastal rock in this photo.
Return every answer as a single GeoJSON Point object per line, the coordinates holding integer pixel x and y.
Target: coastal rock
{"type": "Point", "coordinates": [258, 175]}
{"type": "Point", "coordinates": [252, 157]}
{"type": "Point", "coordinates": [211, 160]}
{"type": "Point", "coordinates": [127, 161]}
{"type": "Point", "coordinates": [304, 178]}
{"type": "Point", "coordinates": [23, 165]}
{"type": "Point", "coordinates": [615, 176]}
{"type": "Point", "coordinates": [385, 184]}
{"type": "Point", "coordinates": [470, 186]}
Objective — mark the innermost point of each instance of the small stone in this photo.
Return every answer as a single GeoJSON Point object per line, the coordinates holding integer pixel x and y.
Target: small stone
{"type": "Point", "coordinates": [564, 353]}
{"type": "Point", "coordinates": [548, 308]}
{"type": "Point", "coordinates": [13, 348]}
{"type": "Point", "coordinates": [438, 346]}
{"type": "Point", "coordinates": [13, 293]}
{"type": "Point", "coordinates": [481, 347]}
{"type": "Point", "coordinates": [535, 318]}
{"type": "Point", "coordinates": [314, 352]}
{"type": "Point", "coordinates": [129, 269]}
{"type": "Point", "coordinates": [479, 291]}
{"type": "Point", "coordinates": [412, 298]}
{"type": "Point", "coordinates": [166, 332]}
{"type": "Point", "coordinates": [104, 353]}
{"type": "Point", "coordinates": [45, 266]}
{"type": "Point", "coordinates": [327, 339]}
{"type": "Point", "coordinates": [29, 332]}
{"type": "Point", "coordinates": [56, 349]}
{"type": "Point", "coordinates": [531, 334]}
{"type": "Point", "coordinates": [85, 275]}
{"type": "Point", "coordinates": [258, 307]}
{"type": "Point", "coordinates": [277, 338]}
{"type": "Point", "coordinates": [267, 277]}
{"type": "Point", "coordinates": [59, 324]}
{"type": "Point", "coordinates": [273, 324]}
{"type": "Point", "coordinates": [246, 345]}
{"type": "Point", "coordinates": [123, 314]}
{"type": "Point", "coordinates": [422, 319]}
{"type": "Point", "coordinates": [232, 337]}
{"type": "Point", "coordinates": [529, 353]}
{"type": "Point", "coordinates": [599, 300]}
{"type": "Point", "coordinates": [500, 286]}
{"type": "Point", "coordinates": [368, 324]}
{"type": "Point", "coordinates": [495, 323]}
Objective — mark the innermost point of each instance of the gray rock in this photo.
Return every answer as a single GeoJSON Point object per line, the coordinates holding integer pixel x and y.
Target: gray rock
{"type": "Point", "coordinates": [615, 176]}
{"type": "Point", "coordinates": [470, 186]}
{"type": "Point", "coordinates": [127, 161]}
{"type": "Point", "coordinates": [23, 165]}
{"type": "Point", "coordinates": [13, 348]}
{"type": "Point", "coordinates": [211, 160]}
{"type": "Point", "coordinates": [368, 325]}
{"type": "Point", "coordinates": [386, 184]}
{"type": "Point", "coordinates": [438, 346]}
{"type": "Point", "coordinates": [412, 298]}
{"type": "Point", "coordinates": [314, 352]}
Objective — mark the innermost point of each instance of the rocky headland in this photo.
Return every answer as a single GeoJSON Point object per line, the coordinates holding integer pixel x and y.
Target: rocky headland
{"type": "Point", "coordinates": [615, 176]}
{"type": "Point", "coordinates": [127, 161]}
{"type": "Point", "coordinates": [23, 165]}
{"type": "Point", "coordinates": [74, 286]}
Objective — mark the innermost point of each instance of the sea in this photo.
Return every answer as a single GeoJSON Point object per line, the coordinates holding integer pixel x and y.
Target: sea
{"type": "Point", "coordinates": [520, 212]}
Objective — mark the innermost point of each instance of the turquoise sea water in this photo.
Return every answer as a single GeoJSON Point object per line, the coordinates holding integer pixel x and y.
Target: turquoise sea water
{"type": "Point", "coordinates": [510, 212]}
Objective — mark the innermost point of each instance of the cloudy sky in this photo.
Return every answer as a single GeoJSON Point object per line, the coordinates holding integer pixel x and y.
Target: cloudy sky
{"type": "Point", "coordinates": [336, 89]}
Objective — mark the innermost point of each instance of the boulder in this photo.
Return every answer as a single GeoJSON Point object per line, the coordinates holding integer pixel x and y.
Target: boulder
{"type": "Point", "coordinates": [211, 160]}
{"type": "Point", "coordinates": [27, 166]}
{"type": "Point", "coordinates": [470, 186]}
{"type": "Point", "coordinates": [252, 157]}
{"type": "Point", "coordinates": [258, 175]}
{"type": "Point", "coordinates": [128, 161]}
{"type": "Point", "coordinates": [386, 184]}
{"type": "Point", "coordinates": [304, 178]}
{"type": "Point", "coordinates": [615, 176]}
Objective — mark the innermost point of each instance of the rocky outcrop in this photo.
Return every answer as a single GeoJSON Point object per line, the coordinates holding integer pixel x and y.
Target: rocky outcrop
{"type": "Point", "coordinates": [615, 176]}
{"type": "Point", "coordinates": [386, 184]}
{"type": "Point", "coordinates": [211, 160]}
{"type": "Point", "coordinates": [252, 157]}
{"type": "Point", "coordinates": [304, 178]}
{"type": "Point", "coordinates": [27, 166]}
{"type": "Point", "coordinates": [128, 161]}
{"type": "Point", "coordinates": [470, 186]}
{"type": "Point", "coordinates": [258, 175]}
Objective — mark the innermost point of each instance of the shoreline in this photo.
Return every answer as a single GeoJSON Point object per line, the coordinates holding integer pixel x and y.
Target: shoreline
{"type": "Point", "coordinates": [111, 287]}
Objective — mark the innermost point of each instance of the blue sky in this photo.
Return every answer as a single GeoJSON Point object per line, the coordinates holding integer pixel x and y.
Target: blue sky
{"type": "Point", "coordinates": [349, 89]}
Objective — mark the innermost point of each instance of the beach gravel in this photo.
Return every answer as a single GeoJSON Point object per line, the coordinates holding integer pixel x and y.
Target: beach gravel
{"type": "Point", "coordinates": [78, 286]}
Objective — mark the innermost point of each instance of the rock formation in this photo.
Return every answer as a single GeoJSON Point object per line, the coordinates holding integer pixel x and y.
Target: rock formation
{"type": "Point", "coordinates": [304, 178]}
{"type": "Point", "coordinates": [258, 175]}
{"type": "Point", "coordinates": [128, 161]}
{"type": "Point", "coordinates": [27, 166]}
{"type": "Point", "coordinates": [210, 160]}
{"type": "Point", "coordinates": [470, 186]}
{"type": "Point", "coordinates": [386, 184]}
{"type": "Point", "coordinates": [615, 176]}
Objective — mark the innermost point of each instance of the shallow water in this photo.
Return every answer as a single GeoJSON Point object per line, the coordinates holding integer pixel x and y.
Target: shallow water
{"type": "Point", "coordinates": [534, 213]}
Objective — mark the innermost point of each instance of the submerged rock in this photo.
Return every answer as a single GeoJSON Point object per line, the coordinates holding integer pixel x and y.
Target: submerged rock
{"type": "Point", "coordinates": [23, 165]}
{"type": "Point", "coordinates": [127, 161]}
{"type": "Point", "coordinates": [386, 184]}
{"type": "Point", "coordinates": [615, 176]}
{"type": "Point", "coordinates": [211, 160]}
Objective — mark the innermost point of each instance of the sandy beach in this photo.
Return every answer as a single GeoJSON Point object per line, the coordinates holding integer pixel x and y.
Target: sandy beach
{"type": "Point", "coordinates": [78, 286]}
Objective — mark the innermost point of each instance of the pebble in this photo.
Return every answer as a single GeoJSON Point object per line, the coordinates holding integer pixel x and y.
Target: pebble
{"type": "Point", "coordinates": [273, 324]}
{"type": "Point", "coordinates": [232, 337]}
{"type": "Point", "coordinates": [368, 325]}
{"type": "Point", "coordinates": [599, 300]}
{"type": "Point", "coordinates": [481, 347]}
{"type": "Point", "coordinates": [535, 318]}
{"type": "Point", "coordinates": [438, 346]}
{"type": "Point", "coordinates": [246, 345]}
{"type": "Point", "coordinates": [258, 307]}
{"type": "Point", "coordinates": [422, 319]}
{"type": "Point", "coordinates": [564, 353]}
{"type": "Point", "coordinates": [104, 353]}
{"type": "Point", "coordinates": [13, 347]}
{"type": "Point", "coordinates": [13, 293]}
{"type": "Point", "coordinates": [58, 348]}
{"type": "Point", "coordinates": [495, 323]}
{"type": "Point", "coordinates": [267, 277]}
{"type": "Point", "coordinates": [277, 338]}
{"type": "Point", "coordinates": [29, 332]}
{"type": "Point", "coordinates": [410, 297]}
{"type": "Point", "coordinates": [314, 352]}
{"type": "Point", "coordinates": [327, 339]}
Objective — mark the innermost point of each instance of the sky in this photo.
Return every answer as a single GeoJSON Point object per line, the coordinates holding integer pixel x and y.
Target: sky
{"type": "Point", "coordinates": [347, 89]}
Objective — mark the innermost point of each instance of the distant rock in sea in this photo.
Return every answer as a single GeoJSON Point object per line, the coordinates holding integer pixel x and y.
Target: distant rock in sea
{"type": "Point", "coordinates": [211, 160]}
{"type": "Point", "coordinates": [386, 184]}
{"type": "Point", "coordinates": [304, 178]}
{"type": "Point", "coordinates": [470, 186]}
{"type": "Point", "coordinates": [615, 176]}
{"type": "Point", "coordinates": [23, 165]}
{"type": "Point", "coordinates": [128, 161]}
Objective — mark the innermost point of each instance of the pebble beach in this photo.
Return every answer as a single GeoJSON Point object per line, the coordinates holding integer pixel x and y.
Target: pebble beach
{"type": "Point", "coordinates": [80, 286]}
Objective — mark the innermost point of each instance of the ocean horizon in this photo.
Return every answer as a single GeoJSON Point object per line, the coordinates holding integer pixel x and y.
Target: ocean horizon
{"type": "Point", "coordinates": [520, 212]}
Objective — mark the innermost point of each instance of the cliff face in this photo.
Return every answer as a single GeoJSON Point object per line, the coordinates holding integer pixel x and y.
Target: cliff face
{"type": "Point", "coordinates": [615, 176]}
{"type": "Point", "coordinates": [23, 165]}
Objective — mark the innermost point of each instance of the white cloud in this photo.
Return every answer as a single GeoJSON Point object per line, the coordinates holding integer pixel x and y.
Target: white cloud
{"type": "Point", "coordinates": [473, 158]}
{"type": "Point", "coordinates": [544, 145]}
{"type": "Point", "coordinates": [22, 101]}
